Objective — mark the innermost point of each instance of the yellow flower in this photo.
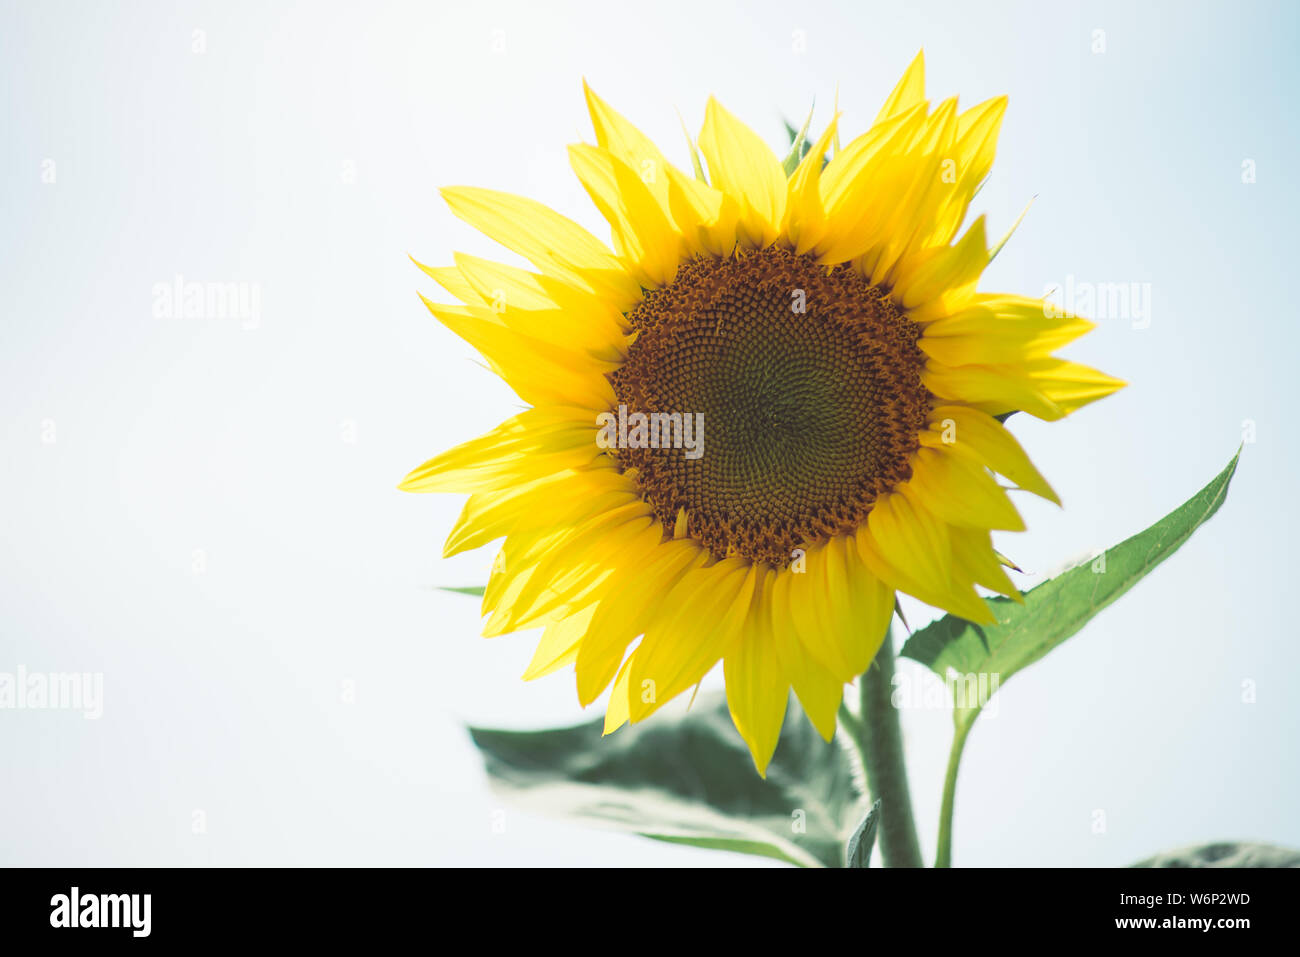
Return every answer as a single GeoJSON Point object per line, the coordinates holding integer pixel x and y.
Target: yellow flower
{"type": "Point", "coordinates": [767, 409]}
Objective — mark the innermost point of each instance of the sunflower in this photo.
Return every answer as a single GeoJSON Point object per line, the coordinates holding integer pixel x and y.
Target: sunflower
{"type": "Point", "coordinates": [773, 404]}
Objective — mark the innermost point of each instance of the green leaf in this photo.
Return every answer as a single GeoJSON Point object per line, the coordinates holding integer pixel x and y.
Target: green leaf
{"type": "Point", "coordinates": [686, 780]}
{"type": "Point", "coordinates": [799, 145]}
{"type": "Point", "coordinates": [1057, 609]}
{"type": "Point", "coordinates": [993, 253]}
{"type": "Point", "coordinates": [858, 853]}
{"type": "Point", "coordinates": [474, 590]}
{"type": "Point", "coordinates": [695, 152]}
{"type": "Point", "coordinates": [1226, 854]}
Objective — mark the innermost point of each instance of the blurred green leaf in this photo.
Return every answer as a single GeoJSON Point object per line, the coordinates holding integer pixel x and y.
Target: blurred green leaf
{"type": "Point", "coordinates": [1226, 854]}
{"type": "Point", "coordinates": [686, 780]}
{"type": "Point", "coordinates": [858, 853]}
{"type": "Point", "coordinates": [474, 590]}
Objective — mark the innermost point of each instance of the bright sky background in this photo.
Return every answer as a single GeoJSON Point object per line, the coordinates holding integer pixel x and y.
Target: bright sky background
{"type": "Point", "coordinates": [214, 525]}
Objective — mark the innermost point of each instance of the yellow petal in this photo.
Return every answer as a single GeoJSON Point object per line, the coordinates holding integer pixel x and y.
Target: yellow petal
{"type": "Point", "coordinates": [819, 691]}
{"type": "Point", "coordinates": [909, 91]}
{"type": "Point", "coordinates": [698, 624]}
{"type": "Point", "coordinates": [867, 608]}
{"type": "Point", "coordinates": [643, 235]}
{"type": "Point", "coordinates": [986, 440]}
{"type": "Point", "coordinates": [553, 243]}
{"type": "Point", "coordinates": [948, 274]}
{"type": "Point", "coordinates": [806, 601]}
{"type": "Point", "coordinates": [838, 608]}
{"type": "Point", "coordinates": [742, 166]}
{"type": "Point", "coordinates": [914, 555]}
{"type": "Point", "coordinates": [961, 492]}
{"type": "Point", "coordinates": [532, 444]}
{"type": "Point", "coordinates": [1069, 384]}
{"type": "Point", "coordinates": [805, 213]}
{"type": "Point", "coordinates": [996, 389]}
{"type": "Point", "coordinates": [909, 539]}
{"type": "Point", "coordinates": [860, 185]}
{"type": "Point", "coordinates": [620, 617]}
{"type": "Point", "coordinates": [999, 329]}
{"type": "Point", "coordinates": [540, 372]}
{"type": "Point", "coordinates": [489, 516]}
{"type": "Point", "coordinates": [630, 145]}
{"type": "Point", "coordinates": [758, 691]}
{"type": "Point", "coordinates": [451, 279]}
{"type": "Point", "coordinates": [914, 211]}
{"type": "Point", "coordinates": [973, 555]}
{"type": "Point", "coordinates": [558, 646]}
{"type": "Point", "coordinates": [543, 306]}
{"type": "Point", "coordinates": [574, 570]}
{"type": "Point", "coordinates": [617, 711]}
{"type": "Point", "coordinates": [977, 139]}
{"type": "Point", "coordinates": [707, 217]}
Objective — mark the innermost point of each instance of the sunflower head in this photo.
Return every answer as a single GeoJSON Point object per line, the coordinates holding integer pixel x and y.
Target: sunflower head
{"type": "Point", "coordinates": [770, 404]}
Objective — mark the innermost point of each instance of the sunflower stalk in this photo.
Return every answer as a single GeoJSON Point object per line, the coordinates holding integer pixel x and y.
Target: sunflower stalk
{"type": "Point", "coordinates": [878, 734]}
{"type": "Point", "coordinates": [963, 722]}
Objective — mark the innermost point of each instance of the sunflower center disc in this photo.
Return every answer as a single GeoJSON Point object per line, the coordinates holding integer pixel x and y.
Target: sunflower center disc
{"type": "Point", "coordinates": [809, 384]}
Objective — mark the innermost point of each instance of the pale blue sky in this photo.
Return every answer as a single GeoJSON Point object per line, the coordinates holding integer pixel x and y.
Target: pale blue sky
{"type": "Point", "coordinates": [300, 152]}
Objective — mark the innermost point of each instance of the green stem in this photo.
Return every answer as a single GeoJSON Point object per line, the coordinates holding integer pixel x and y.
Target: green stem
{"type": "Point", "coordinates": [879, 736]}
{"type": "Point", "coordinates": [943, 856]}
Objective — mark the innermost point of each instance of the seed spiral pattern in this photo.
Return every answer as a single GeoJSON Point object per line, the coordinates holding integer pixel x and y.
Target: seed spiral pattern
{"type": "Point", "coordinates": [809, 382]}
